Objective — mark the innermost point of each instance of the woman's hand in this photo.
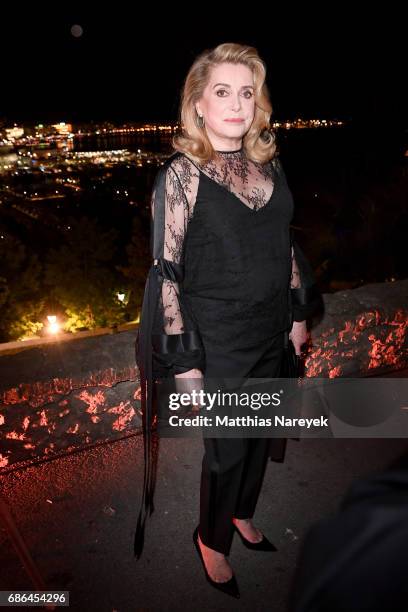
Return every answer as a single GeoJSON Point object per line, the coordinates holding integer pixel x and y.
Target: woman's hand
{"type": "Point", "coordinates": [298, 335]}
{"type": "Point", "coordinates": [189, 385]}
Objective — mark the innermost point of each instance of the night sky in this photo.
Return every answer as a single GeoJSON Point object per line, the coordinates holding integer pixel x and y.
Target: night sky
{"type": "Point", "coordinates": [129, 66]}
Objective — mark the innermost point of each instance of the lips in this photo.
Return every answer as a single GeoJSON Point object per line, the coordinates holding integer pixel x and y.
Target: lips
{"type": "Point", "coordinates": [234, 120]}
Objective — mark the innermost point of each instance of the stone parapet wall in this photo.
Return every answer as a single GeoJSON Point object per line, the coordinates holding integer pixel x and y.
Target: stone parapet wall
{"type": "Point", "coordinates": [61, 397]}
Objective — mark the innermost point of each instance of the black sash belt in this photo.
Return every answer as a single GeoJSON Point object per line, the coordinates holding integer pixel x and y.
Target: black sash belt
{"type": "Point", "coordinates": [170, 270]}
{"type": "Point", "coordinates": [175, 343]}
{"type": "Point", "coordinates": [302, 296]}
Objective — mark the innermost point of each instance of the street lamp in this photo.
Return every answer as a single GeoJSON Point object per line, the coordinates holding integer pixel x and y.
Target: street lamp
{"type": "Point", "coordinates": [54, 326]}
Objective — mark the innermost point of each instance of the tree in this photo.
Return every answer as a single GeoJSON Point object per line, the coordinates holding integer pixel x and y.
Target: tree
{"type": "Point", "coordinates": [81, 275]}
{"type": "Point", "coordinates": [138, 265]}
{"type": "Point", "coordinates": [21, 302]}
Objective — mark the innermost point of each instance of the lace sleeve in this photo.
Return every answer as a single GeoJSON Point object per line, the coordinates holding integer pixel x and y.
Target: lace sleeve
{"type": "Point", "coordinates": [177, 346]}
{"type": "Point", "coordinates": [306, 298]}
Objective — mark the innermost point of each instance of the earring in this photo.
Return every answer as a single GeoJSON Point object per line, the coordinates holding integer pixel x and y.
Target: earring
{"type": "Point", "coordinates": [200, 121]}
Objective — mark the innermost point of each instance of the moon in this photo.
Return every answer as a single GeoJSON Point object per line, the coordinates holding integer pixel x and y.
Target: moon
{"type": "Point", "coordinates": [76, 30]}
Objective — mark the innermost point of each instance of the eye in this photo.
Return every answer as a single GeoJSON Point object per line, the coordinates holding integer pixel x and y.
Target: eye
{"type": "Point", "coordinates": [247, 91]}
{"type": "Point", "coordinates": [218, 91]}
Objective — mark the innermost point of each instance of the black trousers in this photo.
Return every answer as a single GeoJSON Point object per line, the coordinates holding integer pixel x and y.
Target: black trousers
{"type": "Point", "coordinates": [233, 468]}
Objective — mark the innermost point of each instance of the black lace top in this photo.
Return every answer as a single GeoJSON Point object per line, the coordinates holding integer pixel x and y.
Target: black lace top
{"type": "Point", "coordinates": [225, 228]}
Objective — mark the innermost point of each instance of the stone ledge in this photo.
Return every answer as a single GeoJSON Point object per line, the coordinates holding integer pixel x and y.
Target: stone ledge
{"type": "Point", "coordinates": [60, 397]}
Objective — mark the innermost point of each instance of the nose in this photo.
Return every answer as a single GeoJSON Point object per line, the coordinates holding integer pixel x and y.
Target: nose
{"type": "Point", "coordinates": [235, 102]}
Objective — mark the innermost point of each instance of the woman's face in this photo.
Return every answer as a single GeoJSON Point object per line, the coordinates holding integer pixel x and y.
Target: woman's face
{"type": "Point", "coordinates": [228, 105]}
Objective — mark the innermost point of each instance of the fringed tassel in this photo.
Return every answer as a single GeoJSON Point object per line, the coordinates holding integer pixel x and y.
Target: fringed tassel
{"type": "Point", "coordinates": [144, 360]}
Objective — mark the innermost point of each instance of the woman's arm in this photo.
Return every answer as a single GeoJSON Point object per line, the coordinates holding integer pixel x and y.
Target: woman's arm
{"type": "Point", "coordinates": [305, 296]}
{"type": "Point", "coordinates": [177, 345]}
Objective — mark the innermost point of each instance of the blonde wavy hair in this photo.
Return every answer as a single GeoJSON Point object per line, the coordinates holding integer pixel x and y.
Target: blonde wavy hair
{"type": "Point", "coordinates": [259, 143]}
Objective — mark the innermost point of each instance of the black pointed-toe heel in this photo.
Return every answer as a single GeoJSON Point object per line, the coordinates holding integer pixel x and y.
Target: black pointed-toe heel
{"type": "Point", "coordinates": [230, 587]}
{"type": "Point", "coordinates": [264, 544]}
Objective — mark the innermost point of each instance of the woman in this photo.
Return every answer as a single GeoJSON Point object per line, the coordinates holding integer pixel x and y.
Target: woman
{"type": "Point", "coordinates": [221, 293]}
